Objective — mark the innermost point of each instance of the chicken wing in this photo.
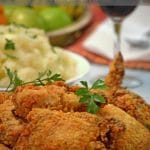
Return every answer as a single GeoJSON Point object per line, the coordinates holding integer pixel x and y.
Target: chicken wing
{"type": "Point", "coordinates": [123, 98]}
{"type": "Point", "coordinates": [116, 73]}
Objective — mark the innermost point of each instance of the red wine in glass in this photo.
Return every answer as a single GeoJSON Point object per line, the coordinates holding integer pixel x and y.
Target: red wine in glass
{"type": "Point", "coordinates": [118, 8]}
{"type": "Point", "coordinates": [118, 11]}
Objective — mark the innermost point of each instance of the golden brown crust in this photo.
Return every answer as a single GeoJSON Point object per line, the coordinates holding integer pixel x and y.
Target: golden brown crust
{"type": "Point", "coordinates": [130, 102]}
{"type": "Point", "coordinates": [61, 131]}
{"type": "Point", "coordinates": [111, 129]}
{"type": "Point", "coordinates": [59, 96]}
{"type": "Point", "coordinates": [10, 127]}
{"type": "Point", "coordinates": [116, 73]}
{"type": "Point", "coordinates": [64, 128]}
{"type": "Point", "coordinates": [107, 131]}
{"type": "Point", "coordinates": [133, 104]}
{"type": "Point", "coordinates": [136, 136]}
{"type": "Point", "coordinates": [55, 97]}
{"type": "Point", "coordinates": [123, 98]}
{"type": "Point", "coordinates": [4, 96]}
{"type": "Point", "coordinates": [3, 147]}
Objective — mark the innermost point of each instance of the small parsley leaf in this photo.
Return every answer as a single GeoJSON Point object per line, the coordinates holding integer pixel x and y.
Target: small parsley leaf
{"type": "Point", "coordinates": [55, 77]}
{"type": "Point", "coordinates": [99, 84]}
{"type": "Point", "coordinates": [92, 107]}
{"type": "Point", "coordinates": [82, 91]}
{"type": "Point", "coordinates": [9, 45]}
{"type": "Point", "coordinates": [84, 99]}
{"type": "Point", "coordinates": [84, 83]}
{"type": "Point", "coordinates": [99, 98]}
{"type": "Point", "coordinates": [92, 100]}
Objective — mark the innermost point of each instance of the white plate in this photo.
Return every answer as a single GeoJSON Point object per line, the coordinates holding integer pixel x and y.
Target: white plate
{"type": "Point", "coordinates": [83, 66]}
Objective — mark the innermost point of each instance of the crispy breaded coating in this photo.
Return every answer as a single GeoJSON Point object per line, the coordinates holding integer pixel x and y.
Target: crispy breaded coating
{"type": "Point", "coordinates": [128, 101]}
{"type": "Point", "coordinates": [59, 96]}
{"type": "Point", "coordinates": [4, 96]}
{"type": "Point", "coordinates": [123, 98]}
{"type": "Point", "coordinates": [3, 147]}
{"type": "Point", "coordinates": [53, 97]}
{"type": "Point", "coordinates": [136, 136]}
{"type": "Point", "coordinates": [60, 131]}
{"type": "Point", "coordinates": [116, 73]}
{"type": "Point", "coordinates": [10, 127]}
{"type": "Point", "coordinates": [133, 104]}
{"type": "Point", "coordinates": [73, 131]}
{"type": "Point", "coordinates": [111, 129]}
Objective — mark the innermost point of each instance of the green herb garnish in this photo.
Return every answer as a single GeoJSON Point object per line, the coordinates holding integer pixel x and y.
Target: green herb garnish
{"type": "Point", "coordinates": [10, 30]}
{"type": "Point", "coordinates": [42, 79]}
{"type": "Point", "coordinates": [11, 56]}
{"type": "Point", "coordinates": [14, 79]}
{"type": "Point", "coordinates": [34, 36]}
{"type": "Point", "coordinates": [148, 127]}
{"type": "Point", "coordinates": [10, 45]}
{"type": "Point", "coordinates": [53, 49]}
{"type": "Point", "coordinates": [92, 100]}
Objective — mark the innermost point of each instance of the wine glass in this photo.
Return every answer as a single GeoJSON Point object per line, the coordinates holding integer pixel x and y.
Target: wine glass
{"type": "Point", "coordinates": [118, 10]}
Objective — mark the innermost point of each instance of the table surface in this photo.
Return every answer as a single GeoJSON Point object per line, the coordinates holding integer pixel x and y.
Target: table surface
{"type": "Point", "coordinates": [143, 90]}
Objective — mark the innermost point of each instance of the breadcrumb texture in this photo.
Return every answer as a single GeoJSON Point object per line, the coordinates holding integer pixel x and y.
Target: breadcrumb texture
{"type": "Point", "coordinates": [60, 131]}
{"type": "Point", "coordinates": [3, 147]}
{"type": "Point", "coordinates": [57, 96]}
{"type": "Point", "coordinates": [10, 127]}
{"type": "Point", "coordinates": [135, 132]}
{"type": "Point", "coordinates": [51, 117]}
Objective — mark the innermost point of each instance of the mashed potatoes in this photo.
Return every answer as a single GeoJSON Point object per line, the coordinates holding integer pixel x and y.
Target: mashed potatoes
{"type": "Point", "coordinates": [28, 52]}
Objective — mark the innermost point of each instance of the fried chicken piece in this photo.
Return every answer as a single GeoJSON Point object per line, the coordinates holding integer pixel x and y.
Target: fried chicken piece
{"type": "Point", "coordinates": [10, 127]}
{"type": "Point", "coordinates": [56, 96]}
{"type": "Point", "coordinates": [3, 147]}
{"type": "Point", "coordinates": [59, 96]}
{"type": "Point", "coordinates": [72, 130]}
{"type": "Point", "coordinates": [123, 98]}
{"type": "Point", "coordinates": [128, 101]}
{"type": "Point", "coordinates": [133, 104]}
{"type": "Point", "coordinates": [111, 129]}
{"type": "Point", "coordinates": [116, 73]}
{"type": "Point", "coordinates": [136, 136]}
{"type": "Point", "coordinates": [60, 131]}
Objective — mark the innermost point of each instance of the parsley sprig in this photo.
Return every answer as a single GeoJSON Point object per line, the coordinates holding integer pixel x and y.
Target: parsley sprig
{"type": "Point", "coordinates": [42, 79]}
{"type": "Point", "coordinates": [9, 45]}
{"type": "Point", "coordinates": [92, 100]}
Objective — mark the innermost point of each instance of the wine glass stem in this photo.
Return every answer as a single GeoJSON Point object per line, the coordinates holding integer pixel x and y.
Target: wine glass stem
{"type": "Point", "coordinates": [117, 29]}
